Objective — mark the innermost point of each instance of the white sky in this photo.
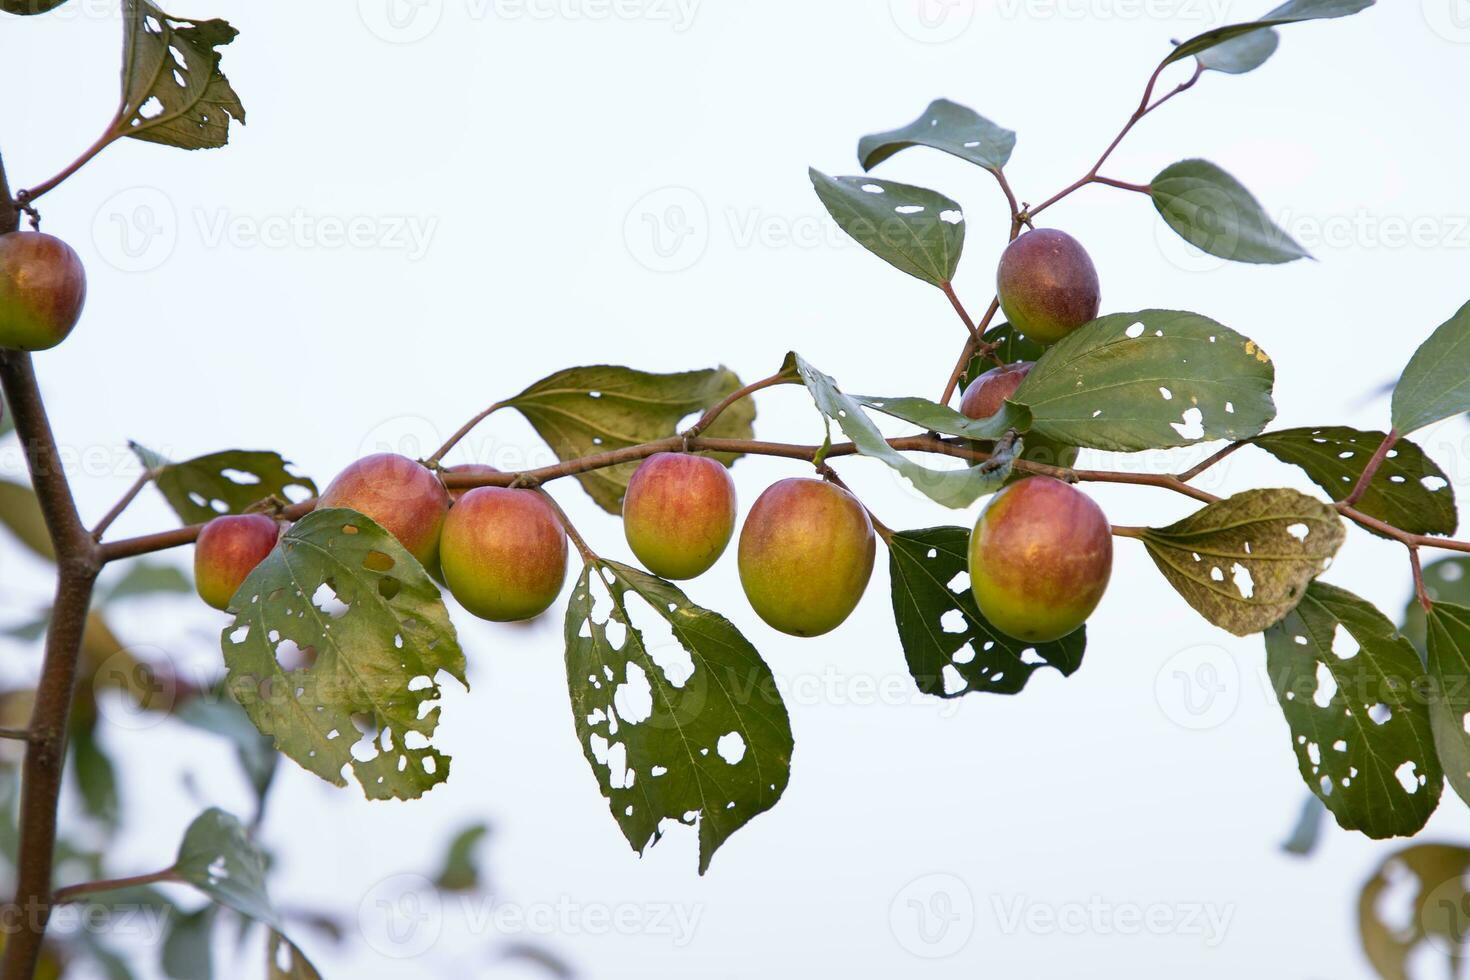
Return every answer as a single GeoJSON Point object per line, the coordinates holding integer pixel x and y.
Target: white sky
{"type": "Point", "coordinates": [532, 148]}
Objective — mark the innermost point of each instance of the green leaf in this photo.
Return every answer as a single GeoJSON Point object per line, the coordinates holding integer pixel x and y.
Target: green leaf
{"type": "Point", "coordinates": [20, 512]}
{"type": "Point", "coordinates": [1436, 383]}
{"type": "Point", "coordinates": [1245, 561]}
{"type": "Point", "coordinates": [946, 126]}
{"type": "Point", "coordinates": [934, 417]}
{"type": "Point", "coordinates": [95, 774]}
{"type": "Point", "coordinates": [1291, 12]}
{"type": "Point", "coordinates": [952, 487]}
{"type": "Point", "coordinates": [929, 571]}
{"type": "Point", "coordinates": [1349, 686]}
{"type": "Point", "coordinates": [172, 89]}
{"type": "Point", "coordinates": [227, 482]}
{"type": "Point", "coordinates": [586, 410]}
{"type": "Point", "coordinates": [1213, 212]}
{"type": "Point", "coordinates": [1449, 676]}
{"type": "Point", "coordinates": [1149, 380]}
{"type": "Point", "coordinates": [918, 231]}
{"type": "Point", "coordinates": [1445, 580]}
{"type": "Point", "coordinates": [461, 870]}
{"type": "Point", "coordinates": [148, 578]}
{"type": "Point", "coordinates": [1409, 491]}
{"type": "Point", "coordinates": [694, 730]}
{"type": "Point", "coordinates": [218, 858]}
{"type": "Point", "coordinates": [186, 947]}
{"type": "Point", "coordinates": [1436, 914]}
{"type": "Point", "coordinates": [306, 670]}
{"type": "Point", "coordinates": [1241, 54]}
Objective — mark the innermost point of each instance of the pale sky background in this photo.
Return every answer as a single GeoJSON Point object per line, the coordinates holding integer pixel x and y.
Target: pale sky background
{"type": "Point", "coordinates": [511, 163]}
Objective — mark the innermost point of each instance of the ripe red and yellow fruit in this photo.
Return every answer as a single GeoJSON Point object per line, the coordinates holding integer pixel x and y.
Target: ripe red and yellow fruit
{"type": "Point", "coordinates": [679, 514]}
{"type": "Point", "coordinates": [42, 289]}
{"type": "Point", "coordinates": [503, 553]}
{"type": "Point", "coordinates": [806, 554]}
{"type": "Point", "coordinates": [1040, 558]}
{"type": "Point", "coordinates": [227, 551]}
{"type": "Point", "coordinates": [402, 496]}
{"type": "Point", "coordinates": [1047, 285]}
{"type": "Point", "coordinates": [988, 392]}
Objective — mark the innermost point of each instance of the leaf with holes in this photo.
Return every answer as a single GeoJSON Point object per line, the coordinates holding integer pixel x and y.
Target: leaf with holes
{"type": "Point", "coordinates": [587, 410]}
{"type": "Point", "coordinates": [1349, 685]}
{"type": "Point", "coordinates": [1409, 491]}
{"type": "Point", "coordinates": [918, 231]}
{"type": "Point", "coordinates": [218, 858]}
{"type": "Point", "coordinates": [691, 729]}
{"type": "Point", "coordinates": [1291, 12]}
{"type": "Point", "coordinates": [950, 647]}
{"type": "Point", "coordinates": [338, 631]}
{"type": "Point", "coordinates": [1399, 924]}
{"type": "Point", "coordinates": [1449, 677]}
{"type": "Point", "coordinates": [1149, 380]}
{"type": "Point", "coordinates": [1245, 561]}
{"type": "Point", "coordinates": [172, 89]}
{"type": "Point", "coordinates": [1436, 382]}
{"type": "Point", "coordinates": [226, 482]}
{"type": "Point", "coordinates": [946, 126]}
{"type": "Point", "coordinates": [959, 487]}
{"type": "Point", "coordinates": [1213, 212]}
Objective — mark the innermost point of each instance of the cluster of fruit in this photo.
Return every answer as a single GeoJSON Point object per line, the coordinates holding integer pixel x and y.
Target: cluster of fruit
{"type": "Point", "coordinates": [1039, 560]}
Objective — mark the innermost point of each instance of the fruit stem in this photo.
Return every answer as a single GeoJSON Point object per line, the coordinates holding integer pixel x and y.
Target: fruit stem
{"type": "Point", "coordinates": [588, 555]}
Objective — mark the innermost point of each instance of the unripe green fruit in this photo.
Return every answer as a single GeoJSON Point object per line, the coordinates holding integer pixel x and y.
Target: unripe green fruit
{"type": "Point", "coordinates": [504, 553]}
{"type": "Point", "coordinates": [988, 392]}
{"type": "Point", "coordinates": [227, 551]}
{"type": "Point", "coordinates": [806, 554]}
{"type": "Point", "coordinates": [679, 514]}
{"type": "Point", "coordinates": [1040, 559]}
{"type": "Point", "coordinates": [1047, 285]}
{"type": "Point", "coordinates": [402, 496]}
{"type": "Point", "coordinates": [42, 289]}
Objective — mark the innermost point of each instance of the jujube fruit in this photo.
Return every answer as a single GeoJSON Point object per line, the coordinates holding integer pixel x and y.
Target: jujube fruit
{"type": "Point", "coordinates": [474, 469]}
{"type": "Point", "coordinates": [42, 289]}
{"type": "Point", "coordinates": [402, 496]}
{"type": "Point", "coordinates": [1040, 558]}
{"type": "Point", "coordinates": [988, 392]}
{"type": "Point", "coordinates": [503, 553]}
{"type": "Point", "coordinates": [227, 551]}
{"type": "Point", "coordinates": [1047, 285]}
{"type": "Point", "coordinates": [806, 554]}
{"type": "Point", "coordinates": [679, 513]}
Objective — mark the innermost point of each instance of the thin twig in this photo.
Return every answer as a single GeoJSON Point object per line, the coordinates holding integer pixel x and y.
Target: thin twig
{"type": "Point", "coordinates": [460, 433]}
{"type": "Point", "coordinates": [973, 345]}
{"type": "Point", "coordinates": [142, 481]}
{"type": "Point", "coordinates": [708, 418]}
{"type": "Point", "coordinates": [18, 734]}
{"type": "Point", "coordinates": [1419, 589]}
{"type": "Point", "coordinates": [73, 892]}
{"type": "Point", "coordinates": [1374, 462]}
